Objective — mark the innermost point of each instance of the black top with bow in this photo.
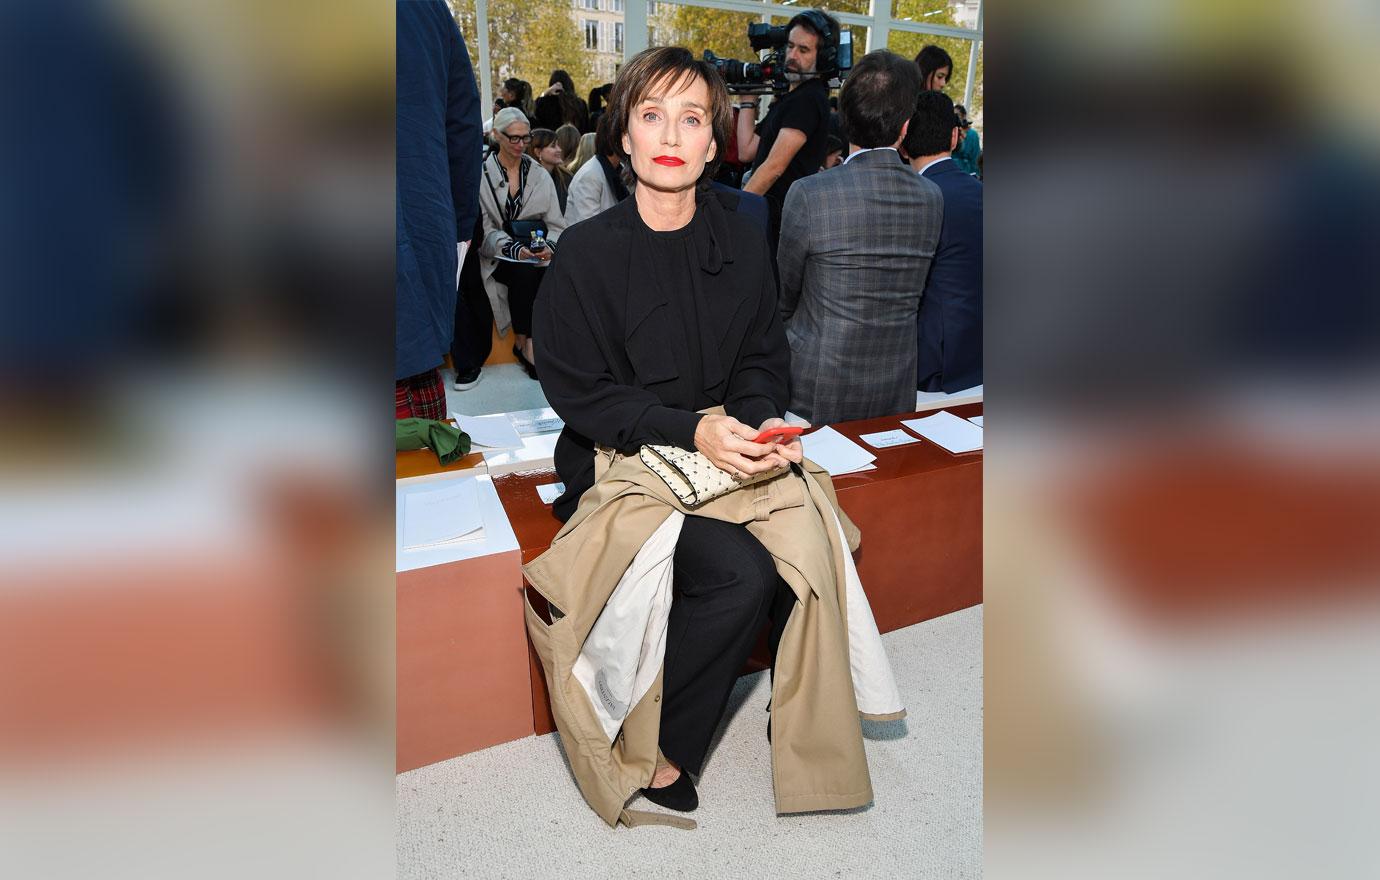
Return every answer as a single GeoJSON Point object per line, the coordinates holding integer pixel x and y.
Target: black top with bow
{"type": "Point", "coordinates": [635, 330]}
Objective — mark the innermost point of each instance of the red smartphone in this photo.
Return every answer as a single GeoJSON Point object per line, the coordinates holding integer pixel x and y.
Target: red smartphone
{"type": "Point", "coordinates": [782, 432]}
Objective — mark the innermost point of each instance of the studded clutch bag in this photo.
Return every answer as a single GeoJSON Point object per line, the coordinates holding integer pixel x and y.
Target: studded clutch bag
{"type": "Point", "coordinates": [692, 477]}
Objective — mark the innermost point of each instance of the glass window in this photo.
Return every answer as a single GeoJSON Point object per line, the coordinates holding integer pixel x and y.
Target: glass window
{"type": "Point", "coordinates": [722, 32]}
{"type": "Point", "coordinates": [953, 13]}
{"type": "Point", "coordinates": [618, 36]}
{"type": "Point", "coordinates": [591, 34]}
{"type": "Point", "coordinates": [909, 45]}
{"type": "Point", "coordinates": [616, 5]}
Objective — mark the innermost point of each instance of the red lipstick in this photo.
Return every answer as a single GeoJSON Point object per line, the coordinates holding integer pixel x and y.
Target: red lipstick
{"type": "Point", "coordinates": [669, 161]}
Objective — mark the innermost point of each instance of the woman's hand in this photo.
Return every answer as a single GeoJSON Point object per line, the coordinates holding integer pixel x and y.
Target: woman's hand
{"type": "Point", "coordinates": [727, 443]}
{"type": "Point", "coordinates": [525, 254]}
{"type": "Point", "coordinates": [793, 451]}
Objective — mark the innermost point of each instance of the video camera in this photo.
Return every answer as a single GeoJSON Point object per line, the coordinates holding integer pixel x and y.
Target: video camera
{"type": "Point", "coordinates": [832, 62]}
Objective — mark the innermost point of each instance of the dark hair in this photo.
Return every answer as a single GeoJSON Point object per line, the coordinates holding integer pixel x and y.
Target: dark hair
{"type": "Point", "coordinates": [877, 99]}
{"type": "Point", "coordinates": [835, 145]}
{"type": "Point", "coordinates": [931, 126]}
{"type": "Point", "coordinates": [541, 139]}
{"type": "Point", "coordinates": [666, 64]}
{"type": "Point", "coordinates": [930, 59]}
{"type": "Point", "coordinates": [522, 89]}
{"type": "Point", "coordinates": [808, 21]}
{"type": "Point", "coordinates": [960, 110]}
{"type": "Point", "coordinates": [568, 136]}
{"type": "Point", "coordinates": [560, 76]}
{"type": "Point", "coordinates": [605, 144]}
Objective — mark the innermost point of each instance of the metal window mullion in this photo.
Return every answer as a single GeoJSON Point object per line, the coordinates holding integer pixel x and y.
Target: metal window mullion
{"type": "Point", "coordinates": [481, 24]}
{"type": "Point", "coordinates": [879, 32]}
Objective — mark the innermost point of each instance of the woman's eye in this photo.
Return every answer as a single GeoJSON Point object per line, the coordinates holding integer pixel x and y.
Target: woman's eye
{"type": "Point", "coordinates": [649, 116]}
{"type": "Point", "coordinates": [692, 120]}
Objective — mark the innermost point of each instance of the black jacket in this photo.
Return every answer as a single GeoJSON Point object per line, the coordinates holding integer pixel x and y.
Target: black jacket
{"type": "Point", "coordinates": [607, 342]}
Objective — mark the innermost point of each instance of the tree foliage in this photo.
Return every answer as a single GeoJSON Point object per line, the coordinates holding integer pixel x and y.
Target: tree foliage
{"type": "Point", "coordinates": [527, 39]}
{"type": "Point", "coordinates": [909, 45]}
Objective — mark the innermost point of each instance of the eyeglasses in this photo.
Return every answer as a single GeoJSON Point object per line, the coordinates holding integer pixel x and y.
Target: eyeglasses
{"type": "Point", "coordinates": [516, 139]}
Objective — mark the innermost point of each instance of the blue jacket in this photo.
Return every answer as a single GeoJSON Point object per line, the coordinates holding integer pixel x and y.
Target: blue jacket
{"type": "Point", "coordinates": [950, 326]}
{"type": "Point", "coordinates": [438, 159]}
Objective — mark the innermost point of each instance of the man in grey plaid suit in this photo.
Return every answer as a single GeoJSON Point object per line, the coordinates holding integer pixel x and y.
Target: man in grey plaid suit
{"type": "Point", "coordinates": [856, 245]}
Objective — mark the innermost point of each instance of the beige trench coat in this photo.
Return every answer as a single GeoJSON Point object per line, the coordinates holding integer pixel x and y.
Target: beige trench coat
{"type": "Point", "coordinates": [818, 761]}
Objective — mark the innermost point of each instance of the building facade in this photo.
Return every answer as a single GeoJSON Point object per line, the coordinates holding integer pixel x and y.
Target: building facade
{"type": "Point", "coordinates": [601, 25]}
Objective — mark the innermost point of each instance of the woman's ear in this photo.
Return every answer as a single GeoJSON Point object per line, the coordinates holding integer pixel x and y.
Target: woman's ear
{"type": "Point", "coordinates": [713, 151]}
{"type": "Point", "coordinates": [627, 144]}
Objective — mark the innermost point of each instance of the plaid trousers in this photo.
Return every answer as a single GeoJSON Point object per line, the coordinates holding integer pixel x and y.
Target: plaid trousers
{"type": "Point", "coordinates": [421, 396]}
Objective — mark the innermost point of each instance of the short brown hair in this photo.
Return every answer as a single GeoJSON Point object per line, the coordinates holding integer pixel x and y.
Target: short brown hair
{"type": "Point", "coordinates": [669, 64]}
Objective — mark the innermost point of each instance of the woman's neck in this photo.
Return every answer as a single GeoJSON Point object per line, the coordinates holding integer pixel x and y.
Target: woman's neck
{"type": "Point", "coordinates": [665, 211]}
{"type": "Point", "coordinates": [509, 162]}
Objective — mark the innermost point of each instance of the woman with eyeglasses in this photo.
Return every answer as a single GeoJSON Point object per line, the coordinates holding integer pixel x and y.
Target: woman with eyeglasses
{"type": "Point", "coordinates": [522, 221]}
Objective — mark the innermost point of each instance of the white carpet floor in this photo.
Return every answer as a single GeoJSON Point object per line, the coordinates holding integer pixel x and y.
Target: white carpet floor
{"type": "Point", "coordinates": [502, 388]}
{"type": "Point", "coordinates": [513, 811]}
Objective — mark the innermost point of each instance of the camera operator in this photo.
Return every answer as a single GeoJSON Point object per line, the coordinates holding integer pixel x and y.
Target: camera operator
{"type": "Point", "coordinates": [792, 140]}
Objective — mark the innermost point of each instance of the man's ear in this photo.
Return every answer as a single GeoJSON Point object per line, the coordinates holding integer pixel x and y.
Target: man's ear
{"type": "Point", "coordinates": [905, 127]}
{"type": "Point", "coordinates": [953, 139]}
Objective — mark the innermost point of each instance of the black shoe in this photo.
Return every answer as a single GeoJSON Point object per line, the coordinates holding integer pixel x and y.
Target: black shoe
{"type": "Point", "coordinates": [679, 795]}
{"type": "Point", "coordinates": [466, 381]}
{"type": "Point", "coordinates": [527, 365]}
{"type": "Point", "coordinates": [768, 730]}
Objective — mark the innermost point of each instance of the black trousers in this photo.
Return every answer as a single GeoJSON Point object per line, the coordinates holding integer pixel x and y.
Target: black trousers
{"type": "Point", "coordinates": [474, 318]}
{"type": "Point", "coordinates": [522, 281]}
{"type": "Point", "coordinates": [725, 590]}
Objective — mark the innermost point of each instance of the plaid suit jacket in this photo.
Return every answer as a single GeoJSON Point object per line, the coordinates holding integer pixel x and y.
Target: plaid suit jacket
{"type": "Point", "coordinates": [856, 245]}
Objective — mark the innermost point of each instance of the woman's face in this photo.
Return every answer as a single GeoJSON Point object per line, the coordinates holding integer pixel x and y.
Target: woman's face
{"type": "Point", "coordinates": [519, 130]}
{"type": "Point", "coordinates": [551, 155]}
{"type": "Point", "coordinates": [670, 135]}
{"type": "Point", "coordinates": [938, 80]}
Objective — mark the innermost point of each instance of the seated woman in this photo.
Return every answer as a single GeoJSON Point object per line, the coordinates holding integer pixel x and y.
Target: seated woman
{"type": "Point", "coordinates": [599, 184]}
{"type": "Point", "coordinates": [546, 150]}
{"type": "Point", "coordinates": [658, 307]}
{"type": "Point", "coordinates": [515, 187]}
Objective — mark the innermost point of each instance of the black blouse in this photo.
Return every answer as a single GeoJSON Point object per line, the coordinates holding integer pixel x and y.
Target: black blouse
{"type": "Point", "coordinates": [635, 330]}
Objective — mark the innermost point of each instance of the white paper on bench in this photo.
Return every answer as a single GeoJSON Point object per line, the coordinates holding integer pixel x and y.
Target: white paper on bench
{"type": "Point", "coordinates": [883, 439]}
{"type": "Point", "coordinates": [549, 492]}
{"type": "Point", "coordinates": [492, 432]}
{"type": "Point", "coordinates": [536, 451]}
{"type": "Point", "coordinates": [536, 421]}
{"type": "Point", "coordinates": [439, 516]}
{"type": "Point", "coordinates": [948, 430]}
{"type": "Point", "coordinates": [976, 420]}
{"type": "Point", "coordinates": [834, 452]}
{"type": "Point", "coordinates": [927, 400]}
{"type": "Point", "coordinates": [498, 533]}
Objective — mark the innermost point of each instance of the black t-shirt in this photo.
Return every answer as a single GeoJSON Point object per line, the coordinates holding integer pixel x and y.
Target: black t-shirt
{"type": "Point", "coordinates": [805, 109]}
